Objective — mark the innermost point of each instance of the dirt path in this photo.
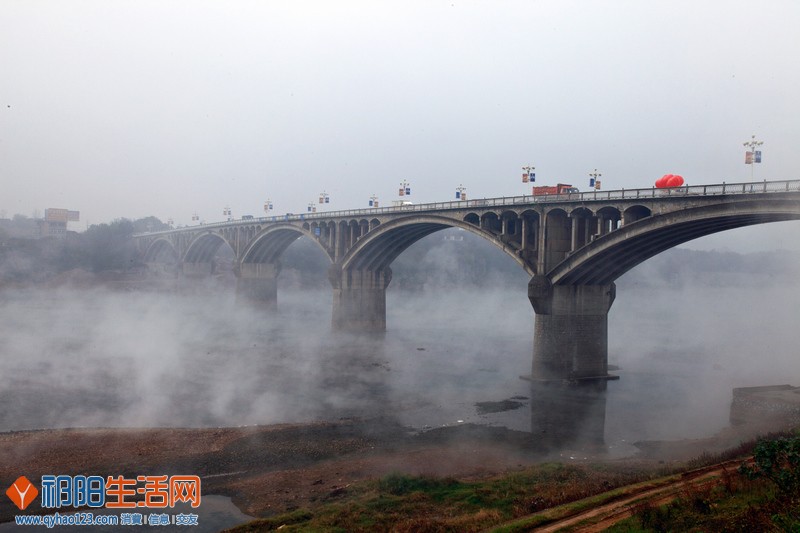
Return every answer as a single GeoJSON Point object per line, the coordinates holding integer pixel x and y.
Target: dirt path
{"type": "Point", "coordinates": [603, 516]}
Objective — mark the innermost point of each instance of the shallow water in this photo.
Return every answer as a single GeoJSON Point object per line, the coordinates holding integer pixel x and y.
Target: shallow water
{"type": "Point", "coordinates": [96, 358]}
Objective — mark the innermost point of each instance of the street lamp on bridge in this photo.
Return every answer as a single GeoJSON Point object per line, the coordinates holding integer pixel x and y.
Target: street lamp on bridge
{"type": "Point", "coordinates": [324, 198]}
{"type": "Point", "coordinates": [528, 174]}
{"type": "Point", "coordinates": [226, 211]}
{"type": "Point", "coordinates": [461, 192]}
{"type": "Point", "coordinates": [752, 156]}
{"type": "Point", "coordinates": [594, 183]}
{"type": "Point", "coordinates": [311, 207]}
{"type": "Point", "coordinates": [267, 206]}
{"type": "Point", "coordinates": [405, 189]}
{"type": "Point", "coordinates": [373, 201]}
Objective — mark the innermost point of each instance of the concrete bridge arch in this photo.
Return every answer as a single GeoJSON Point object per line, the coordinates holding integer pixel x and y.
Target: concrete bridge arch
{"type": "Point", "coordinates": [609, 257]}
{"type": "Point", "coordinates": [361, 277]}
{"type": "Point", "coordinates": [574, 246]}
{"type": "Point", "coordinates": [577, 293]}
{"type": "Point", "coordinates": [259, 265]}
{"type": "Point", "coordinates": [161, 250]}
{"type": "Point", "coordinates": [382, 246]}
{"type": "Point", "coordinates": [198, 259]}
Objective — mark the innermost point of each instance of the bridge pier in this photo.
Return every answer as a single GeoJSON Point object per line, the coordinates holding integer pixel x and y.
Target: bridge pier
{"type": "Point", "coordinates": [197, 270]}
{"type": "Point", "coordinates": [359, 299]}
{"type": "Point", "coordinates": [258, 283]}
{"type": "Point", "coordinates": [570, 339]}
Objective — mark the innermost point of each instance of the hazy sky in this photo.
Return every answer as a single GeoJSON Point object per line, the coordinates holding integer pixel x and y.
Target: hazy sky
{"type": "Point", "coordinates": [166, 108]}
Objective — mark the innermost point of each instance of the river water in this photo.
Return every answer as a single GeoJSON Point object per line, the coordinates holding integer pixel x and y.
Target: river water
{"type": "Point", "coordinates": [95, 358]}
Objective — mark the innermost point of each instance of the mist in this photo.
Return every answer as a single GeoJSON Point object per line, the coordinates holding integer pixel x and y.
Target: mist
{"type": "Point", "coordinates": [458, 335]}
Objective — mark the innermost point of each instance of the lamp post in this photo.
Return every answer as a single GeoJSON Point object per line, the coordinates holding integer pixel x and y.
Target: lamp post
{"type": "Point", "coordinates": [461, 192]}
{"type": "Point", "coordinates": [405, 189]}
{"type": "Point", "coordinates": [529, 174]}
{"type": "Point", "coordinates": [324, 198]}
{"type": "Point", "coordinates": [752, 156]}
{"type": "Point", "coordinates": [267, 206]}
{"type": "Point", "coordinates": [373, 201]}
{"type": "Point", "coordinates": [593, 181]}
{"type": "Point", "coordinates": [311, 207]}
{"type": "Point", "coordinates": [226, 211]}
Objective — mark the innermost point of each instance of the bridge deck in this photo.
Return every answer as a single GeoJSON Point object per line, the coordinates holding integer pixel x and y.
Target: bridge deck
{"type": "Point", "coordinates": [651, 193]}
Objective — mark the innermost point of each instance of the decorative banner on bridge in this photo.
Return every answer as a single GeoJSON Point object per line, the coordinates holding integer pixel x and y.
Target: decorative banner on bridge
{"type": "Point", "coordinates": [748, 158]}
{"type": "Point", "coordinates": [758, 156]}
{"type": "Point", "coordinates": [524, 178]}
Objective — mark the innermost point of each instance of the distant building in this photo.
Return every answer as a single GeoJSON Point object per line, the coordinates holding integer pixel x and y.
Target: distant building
{"type": "Point", "coordinates": [55, 222]}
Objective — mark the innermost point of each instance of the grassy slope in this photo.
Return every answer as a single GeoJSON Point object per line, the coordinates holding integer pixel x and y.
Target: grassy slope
{"type": "Point", "coordinates": [531, 497]}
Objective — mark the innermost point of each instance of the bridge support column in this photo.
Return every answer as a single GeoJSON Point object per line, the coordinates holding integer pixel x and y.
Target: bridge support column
{"type": "Point", "coordinates": [197, 270]}
{"type": "Point", "coordinates": [570, 339]}
{"type": "Point", "coordinates": [258, 283]}
{"type": "Point", "coordinates": [359, 299]}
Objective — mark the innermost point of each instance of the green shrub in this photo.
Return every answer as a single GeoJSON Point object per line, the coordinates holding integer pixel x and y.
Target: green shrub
{"type": "Point", "coordinates": [777, 460]}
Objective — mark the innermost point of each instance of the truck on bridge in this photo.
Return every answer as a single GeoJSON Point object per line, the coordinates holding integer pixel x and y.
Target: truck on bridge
{"type": "Point", "coordinates": [561, 188]}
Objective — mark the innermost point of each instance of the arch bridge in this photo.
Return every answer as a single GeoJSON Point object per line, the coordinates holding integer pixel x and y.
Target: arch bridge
{"type": "Point", "coordinates": [573, 246]}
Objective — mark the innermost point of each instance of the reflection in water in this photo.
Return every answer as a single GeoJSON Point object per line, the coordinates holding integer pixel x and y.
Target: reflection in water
{"type": "Point", "coordinates": [569, 414]}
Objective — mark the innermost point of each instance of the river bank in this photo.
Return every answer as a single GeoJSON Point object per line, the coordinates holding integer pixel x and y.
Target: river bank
{"type": "Point", "coordinates": [267, 470]}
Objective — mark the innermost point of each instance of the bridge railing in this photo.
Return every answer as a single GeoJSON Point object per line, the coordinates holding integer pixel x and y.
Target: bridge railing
{"type": "Point", "coordinates": [758, 187]}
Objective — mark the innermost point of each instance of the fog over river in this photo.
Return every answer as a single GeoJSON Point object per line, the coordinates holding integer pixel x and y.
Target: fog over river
{"type": "Point", "coordinates": [88, 358]}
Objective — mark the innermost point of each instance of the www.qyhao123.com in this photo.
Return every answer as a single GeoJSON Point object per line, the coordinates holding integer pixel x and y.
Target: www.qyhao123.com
{"type": "Point", "coordinates": [143, 500]}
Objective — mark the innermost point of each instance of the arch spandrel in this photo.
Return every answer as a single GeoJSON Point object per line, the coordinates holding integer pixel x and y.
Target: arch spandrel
{"type": "Point", "coordinates": [379, 248]}
{"type": "Point", "coordinates": [203, 247]}
{"type": "Point", "coordinates": [270, 243]}
{"type": "Point", "coordinates": [609, 257]}
{"type": "Point", "coordinates": [160, 249]}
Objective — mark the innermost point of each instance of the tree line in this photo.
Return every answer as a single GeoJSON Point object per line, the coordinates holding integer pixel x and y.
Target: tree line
{"type": "Point", "coordinates": [102, 247]}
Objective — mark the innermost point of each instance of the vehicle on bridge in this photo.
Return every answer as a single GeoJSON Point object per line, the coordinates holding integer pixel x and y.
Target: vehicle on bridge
{"type": "Point", "coordinates": [561, 188]}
